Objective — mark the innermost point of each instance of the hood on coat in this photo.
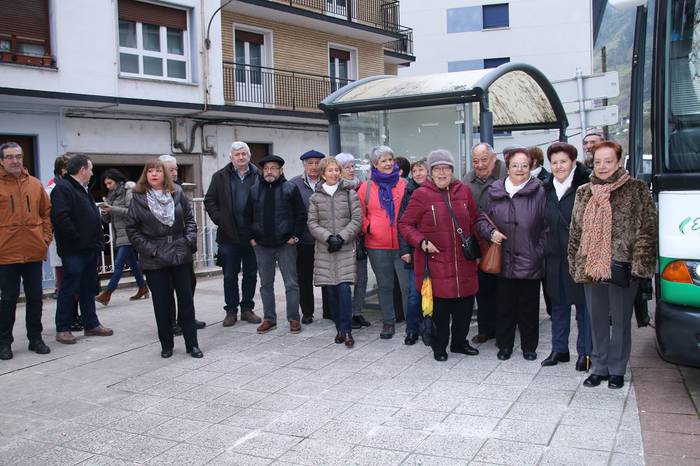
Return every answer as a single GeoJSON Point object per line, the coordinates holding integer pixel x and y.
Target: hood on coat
{"type": "Point", "coordinates": [497, 190]}
{"type": "Point", "coordinates": [5, 174]}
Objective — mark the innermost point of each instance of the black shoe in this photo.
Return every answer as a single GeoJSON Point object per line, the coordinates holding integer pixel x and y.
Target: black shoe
{"type": "Point", "coordinates": [554, 358]}
{"type": "Point", "coordinates": [616, 381]}
{"type": "Point", "coordinates": [177, 331]}
{"type": "Point", "coordinates": [583, 363]}
{"type": "Point", "coordinates": [166, 353]}
{"type": "Point", "coordinates": [387, 331]}
{"type": "Point", "coordinates": [504, 354]}
{"type": "Point", "coordinates": [5, 352]}
{"type": "Point", "coordinates": [39, 347]}
{"type": "Point", "coordinates": [440, 356]}
{"type": "Point", "coordinates": [195, 352]}
{"type": "Point", "coordinates": [355, 323]}
{"type": "Point", "coordinates": [77, 325]}
{"type": "Point", "coordinates": [306, 320]}
{"type": "Point", "coordinates": [199, 324]}
{"type": "Point", "coordinates": [594, 380]}
{"type": "Point", "coordinates": [361, 319]}
{"type": "Point", "coordinates": [411, 338]}
{"type": "Point", "coordinates": [467, 349]}
{"type": "Point", "coordinates": [339, 338]}
{"type": "Point", "coordinates": [529, 355]}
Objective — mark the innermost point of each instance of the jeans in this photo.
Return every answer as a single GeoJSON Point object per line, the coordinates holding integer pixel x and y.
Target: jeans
{"type": "Point", "coordinates": [414, 311]}
{"type": "Point", "coordinates": [79, 278]}
{"type": "Point", "coordinates": [125, 254]}
{"type": "Point", "coordinates": [285, 257]}
{"type": "Point", "coordinates": [232, 256]}
{"type": "Point", "coordinates": [561, 326]}
{"type": "Point", "coordinates": [384, 263]}
{"type": "Point", "coordinates": [518, 305]}
{"type": "Point", "coordinates": [460, 309]}
{"type": "Point", "coordinates": [161, 282]}
{"type": "Point", "coordinates": [341, 306]}
{"type": "Point", "coordinates": [10, 275]}
{"type": "Point", "coordinates": [360, 288]}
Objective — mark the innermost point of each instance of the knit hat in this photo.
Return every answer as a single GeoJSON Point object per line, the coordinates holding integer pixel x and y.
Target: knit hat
{"type": "Point", "coordinates": [440, 157]}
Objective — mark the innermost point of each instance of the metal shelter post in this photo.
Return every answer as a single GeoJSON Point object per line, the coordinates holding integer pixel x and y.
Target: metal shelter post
{"type": "Point", "coordinates": [333, 133]}
{"type": "Point", "coordinates": [485, 120]}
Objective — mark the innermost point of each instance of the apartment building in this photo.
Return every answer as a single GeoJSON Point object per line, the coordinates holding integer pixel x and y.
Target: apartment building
{"type": "Point", "coordinates": [127, 80]}
{"type": "Point", "coordinates": [458, 35]}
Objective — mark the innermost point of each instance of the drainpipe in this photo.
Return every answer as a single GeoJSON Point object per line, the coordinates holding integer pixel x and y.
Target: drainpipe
{"type": "Point", "coordinates": [333, 133]}
{"type": "Point", "coordinates": [581, 101]}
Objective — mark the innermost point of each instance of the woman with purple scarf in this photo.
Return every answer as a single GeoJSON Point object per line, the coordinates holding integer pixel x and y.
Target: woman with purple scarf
{"type": "Point", "coordinates": [380, 198]}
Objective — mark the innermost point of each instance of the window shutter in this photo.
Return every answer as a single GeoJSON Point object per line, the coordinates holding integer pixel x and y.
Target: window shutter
{"type": "Point", "coordinates": [132, 10]}
{"type": "Point", "coordinates": [253, 38]}
{"type": "Point", "coordinates": [340, 54]}
{"type": "Point", "coordinates": [28, 19]}
{"type": "Point", "coordinates": [495, 16]}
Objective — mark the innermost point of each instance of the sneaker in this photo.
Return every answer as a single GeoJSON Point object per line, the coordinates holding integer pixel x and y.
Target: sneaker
{"type": "Point", "coordinates": [251, 317]}
{"type": "Point", "coordinates": [67, 338]}
{"type": "Point", "coordinates": [38, 346]}
{"type": "Point", "coordinates": [266, 326]}
{"type": "Point", "coordinates": [295, 326]}
{"type": "Point", "coordinates": [230, 319]}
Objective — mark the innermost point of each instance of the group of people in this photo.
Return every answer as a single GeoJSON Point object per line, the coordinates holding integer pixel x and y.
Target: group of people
{"type": "Point", "coordinates": [573, 231]}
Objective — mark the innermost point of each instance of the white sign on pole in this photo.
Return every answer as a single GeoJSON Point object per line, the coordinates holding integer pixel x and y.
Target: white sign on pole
{"type": "Point", "coordinates": [601, 116]}
{"type": "Point", "coordinates": [598, 86]}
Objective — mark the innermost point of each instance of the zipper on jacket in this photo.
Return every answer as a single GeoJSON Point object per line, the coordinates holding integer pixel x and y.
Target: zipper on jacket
{"type": "Point", "coordinates": [454, 237]}
{"type": "Point", "coordinates": [432, 207]}
{"type": "Point", "coordinates": [29, 208]}
{"type": "Point", "coordinates": [12, 203]}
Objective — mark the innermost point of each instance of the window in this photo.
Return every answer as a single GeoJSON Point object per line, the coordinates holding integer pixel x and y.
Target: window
{"type": "Point", "coordinates": [153, 41]}
{"type": "Point", "coordinates": [466, 65]}
{"type": "Point", "coordinates": [249, 56]}
{"type": "Point", "coordinates": [495, 16]}
{"type": "Point", "coordinates": [464, 19]}
{"type": "Point", "coordinates": [339, 68]}
{"type": "Point", "coordinates": [495, 62]}
{"type": "Point", "coordinates": [24, 33]}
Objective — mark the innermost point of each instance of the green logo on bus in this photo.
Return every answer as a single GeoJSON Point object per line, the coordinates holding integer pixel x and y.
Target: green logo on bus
{"type": "Point", "coordinates": [689, 224]}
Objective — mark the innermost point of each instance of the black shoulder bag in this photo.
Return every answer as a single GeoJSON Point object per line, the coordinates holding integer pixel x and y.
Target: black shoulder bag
{"type": "Point", "coordinates": [360, 249]}
{"type": "Point", "coordinates": [470, 246]}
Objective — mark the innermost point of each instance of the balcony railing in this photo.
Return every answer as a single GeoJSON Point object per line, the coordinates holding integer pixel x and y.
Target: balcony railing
{"type": "Point", "coordinates": [260, 86]}
{"type": "Point", "coordinates": [381, 14]}
{"type": "Point", "coordinates": [404, 45]}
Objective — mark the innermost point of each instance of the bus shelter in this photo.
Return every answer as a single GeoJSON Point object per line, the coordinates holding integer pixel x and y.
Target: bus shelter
{"type": "Point", "coordinates": [453, 111]}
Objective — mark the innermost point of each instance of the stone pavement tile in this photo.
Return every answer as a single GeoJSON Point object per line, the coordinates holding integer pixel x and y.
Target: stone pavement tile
{"type": "Point", "coordinates": [219, 436]}
{"type": "Point", "coordinates": [483, 407]}
{"type": "Point", "coordinates": [512, 453]}
{"type": "Point", "coordinates": [270, 383]}
{"type": "Point", "coordinates": [169, 388]}
{"type": "Point", "coordinates": [232, 381]}
{"type": "Point", "coordinates": [58, 434]}
{"type": "Point", "coordinates": [137, 384]}
{"type": "Point", "coordinates": [306, 388]}
{"type": "Point", "coordinates": [424, 460]}
{"type": "Point", "coordinates": [173, 407]}
{"type": "Point", "coordinates": [236, 459]}
{"type": "Point", "coordinates": [138, 423]}
{"type": "Point", "coordinates": [499, 377]}
{"type": "Point", "coordinates": [350, 365]}
{"type": "Point", "coordinates": [280, 402]}
{"type": "Point", "coordinates": [669, 373]}
{"type": "Point", "coordinates": [265, 444]}
{"type": "Point", "coordinates": [57, 456]}
{"type": "Point", "coordinates": [341, 392]}
{"type": "Point", "coordinates": [434, 401]}
{"type": "Point", "coordinates": [416, 419]}
{"type": "Point", "coordinates": [198, 376]}
{"type": "Point", "coordinates": [323, 408]}
{"type": "Point", "coordinates": [562, 456]}
{"type": "Point", "coordinates": [210, 412]}
{"type": "Point", "coordinates": [467, 425]}
{"type": "Point", "coordinates": [460, 374]}
{"type": "Point", "coordinates": [177, 429]}
{"type": "Point", "coordinates": [575, 416]}
{"type": "Point", "coordinates": [543, 412]}
{"type": "Point", "coordinates": [278, 359]}
{"type": "Point", "coordinates": [366, 456]}
{"type": "Point", "coordinates": [185, 454]}
{"type": "Point", "coordinates": [101, 460]}
{"type": "Point", "coordinates": [103, 416]}
{"type": "Point", "coordinates": [524, 431]}
{"type": "Point", "coordinates": [343, 431]}
{"type": "Point", "coordinates": [599, 397]}
{"type": "Point", "coordinates": [389, 397]}
{"type": "Point", "coordinates": [393, 438]}
{"type": "Point", "coordinates": [665, 443]}
{"type": "Point", "coordinates": [226, 365]}
{"type": "Point", "coordinates": [667, 422]}
{"type": "Point", "coordinates": [665, 398]}
{"type": "Point", "coordinates": [19, 450]}
{"type": "Point", "coordinates": [251, 418]}
{"type": "Point", "coordinates": [241, 398]}
{"type": "Point", "coordinates": [595, 437]}
{"type": "Point", "coordinates": [629, 441]}
{"type": "Point", "coordinates": [137, 402]}
{"type": "Point", "coordinates": [450, 445]}
{"type": "Point", "coordinates": [518, 364]}
{"type": "Point", "coordinates": [622, 459]}
{"type": "Point", "coordinates": [542, 396]}
{"type": "Point", "coordinates": [13, 423]}
{"type": "Point", "coordinates": [496, 392]}
{"type": "Point", "coordinates": [366, 413]}
{"type": "Point", "coordinates": [313, 452]}
{"type": "Point", "coordinates": [662, 460]}
{"type": "Point", "coordinates": [312, 362]}
{"type": "Point", "coordinates": [553, 382]}
{"type": "Point", "coordinates": [138, 448]}
{"type": "Point", "coordinates": [100, 440]}
{"type": "Point", "coordinates": [202, 393]}
{"type": "Point", "coordinates": [293, 423]}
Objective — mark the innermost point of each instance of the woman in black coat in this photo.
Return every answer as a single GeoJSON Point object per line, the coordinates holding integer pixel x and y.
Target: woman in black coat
{"type": "Point", "coordinates": [560, 189]}
{"type": "Point", "coordinates": [162, 229]}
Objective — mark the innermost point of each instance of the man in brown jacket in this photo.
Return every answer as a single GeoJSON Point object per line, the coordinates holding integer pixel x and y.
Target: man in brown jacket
{"type": "Point", "coordinates": [25, 234]}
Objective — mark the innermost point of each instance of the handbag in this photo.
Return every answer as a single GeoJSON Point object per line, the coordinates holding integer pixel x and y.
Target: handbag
{"type": "Point", "coordinates": [427, 326]}
{"type": "Point", "coordinates": [470, 246]}
{"type": "Point", "coordinates": [360, 249]}
{"type": "Point", "coordinates": [492, 262]}
{"type": "Point", "coordinates": [620, 274]}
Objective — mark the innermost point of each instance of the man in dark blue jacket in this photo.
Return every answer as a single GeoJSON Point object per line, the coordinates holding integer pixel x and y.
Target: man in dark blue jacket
{"type": "Point", "coordinates": [274, 220]}
{"type": "Point", "coordinates": [79, 238]}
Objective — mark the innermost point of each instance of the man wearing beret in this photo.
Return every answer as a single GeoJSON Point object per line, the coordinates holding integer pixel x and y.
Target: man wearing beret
{"type": "Point", "coordinates": [274, 219]}
{"type": "Point", "coordinates": [306, 183]}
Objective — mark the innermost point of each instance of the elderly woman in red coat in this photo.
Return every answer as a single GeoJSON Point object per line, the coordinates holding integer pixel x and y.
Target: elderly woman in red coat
{"type": "Point", "coordinates": [428, 226]}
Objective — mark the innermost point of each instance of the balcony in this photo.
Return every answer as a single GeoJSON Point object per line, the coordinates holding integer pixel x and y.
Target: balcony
{"type": "Point", "coordinates": [259, 86]}
{"type": "Point", "coordinates": [401, 49]}
{"type": "Point", "coordinates": [380, 14]}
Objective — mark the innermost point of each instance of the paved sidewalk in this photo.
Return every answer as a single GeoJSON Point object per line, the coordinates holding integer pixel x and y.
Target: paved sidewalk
{"type": "Point", "coordinates": [298, 399]}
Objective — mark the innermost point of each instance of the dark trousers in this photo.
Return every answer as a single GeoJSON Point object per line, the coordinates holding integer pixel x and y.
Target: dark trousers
{"type": "Point", "coordinates": [518, 304]}
{"type": "Point", "coordinates": [232, 256]}
{"type": "Point", "coordinates": [305, 278]}
{"type": "Point", "coordinates": [162, 282]}
{"type": "Point", "coordinates": [10, 275]}
{"type": "Point", "coordinates": [460, 309]}
{"type": "Point", "coordinates": [79, 278]}
{"type": "Point", "coordinates": [340, 298]}
{"type": "Point", "coordinates": [486, 299]}
{"type": "Point", "coordinates": [171, 295]}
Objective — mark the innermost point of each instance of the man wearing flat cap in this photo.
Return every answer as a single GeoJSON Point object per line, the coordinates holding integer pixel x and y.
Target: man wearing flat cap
{"type": "Point", "coordinates": [274, 220]}
{"type": "Point", "coordinates": [306, 183]}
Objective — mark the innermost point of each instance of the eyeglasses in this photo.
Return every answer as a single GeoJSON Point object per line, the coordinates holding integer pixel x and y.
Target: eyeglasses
{"type": "Point", "coordinates": [520, 165]}
{"type": "Point", "coordinates": [12, 157]}
{"type": "Point", "coordinates": [442, 169]}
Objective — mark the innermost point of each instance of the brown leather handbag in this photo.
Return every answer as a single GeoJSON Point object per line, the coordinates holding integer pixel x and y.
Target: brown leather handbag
{"type": "Point", "coordinates": [492, 260]}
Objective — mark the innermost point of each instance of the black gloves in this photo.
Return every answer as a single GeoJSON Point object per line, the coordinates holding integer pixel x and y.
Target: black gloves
{"type": "Point", "coordinates": [335, 242]}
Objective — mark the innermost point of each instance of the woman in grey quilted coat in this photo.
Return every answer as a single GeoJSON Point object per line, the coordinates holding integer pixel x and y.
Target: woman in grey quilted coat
{"type": "Point", "coordinates": [335, 219]}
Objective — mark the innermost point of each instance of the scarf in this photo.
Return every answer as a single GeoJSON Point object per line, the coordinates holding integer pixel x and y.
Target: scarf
{"type": "Point", "coordinates": [536, 171]}
{"type": "Point", "coordinates": [115, 192]}
{"type": "Point", "coordinates": [596, 235]}
{"type": "Point", "coordinates": [386, 183]}
{"type": "Point", "coordinates": [511, 189]}
{"type": "Point", "coordinates": [563, 187]}
{"type": "Point", "coordinates": [162, 206]}
{"type": "Point", "coordinates": [330, 189]}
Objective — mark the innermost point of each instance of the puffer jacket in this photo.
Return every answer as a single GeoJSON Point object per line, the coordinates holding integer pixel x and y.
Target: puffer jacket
{"type": "Point", "coordinates": [428, 217]}
{"type": "Point", "coordinates": [634, 227]}
{"type": "Point", "coordinates": [378, 232]}
{"type": "Point", "coordinates": [521, 220]}
{"type": "Point", "coordinates": [25, 224]}
{"type": "Point", "coordinates": [339, 214]}
{"type": "Point", "coordinates": [119, 198]}
{"type": "Point", "coordinates": [159, 245]}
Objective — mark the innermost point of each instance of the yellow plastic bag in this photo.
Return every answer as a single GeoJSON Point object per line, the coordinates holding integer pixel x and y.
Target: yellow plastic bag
{"type": "Point", "coordinates": [426, 292]}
